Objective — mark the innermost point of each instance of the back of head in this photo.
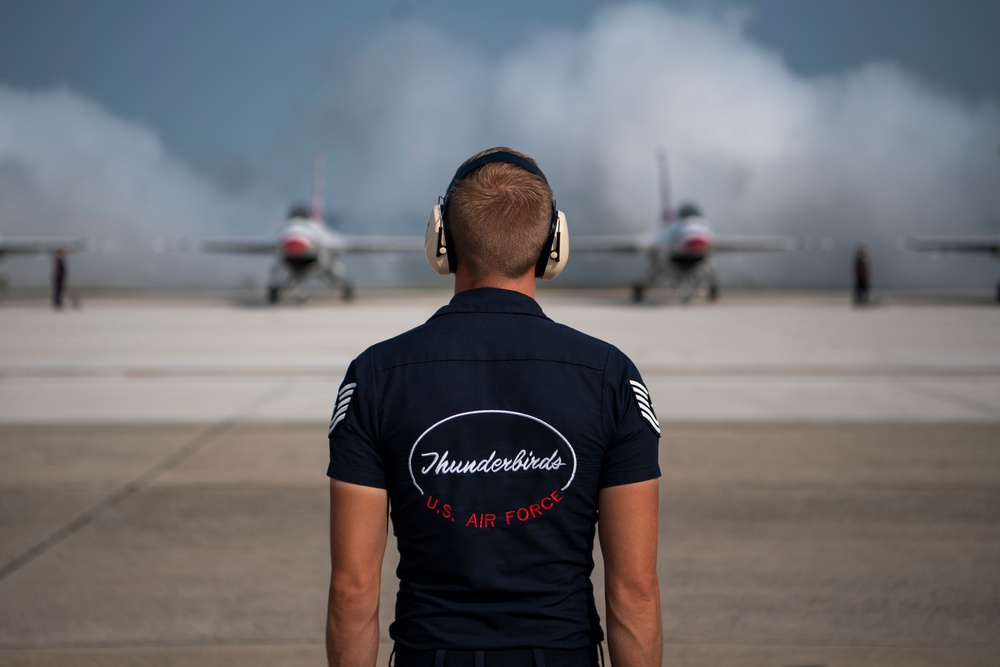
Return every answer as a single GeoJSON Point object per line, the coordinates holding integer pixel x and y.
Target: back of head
{"type": "Point", "coordinates": [499, 217]}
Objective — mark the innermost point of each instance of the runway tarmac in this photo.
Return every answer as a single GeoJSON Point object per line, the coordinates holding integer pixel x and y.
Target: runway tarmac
{"type": "Point", "coordinates": [831, 490]}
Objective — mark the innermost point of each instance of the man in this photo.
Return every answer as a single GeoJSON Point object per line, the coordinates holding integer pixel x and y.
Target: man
{"type": "Point", "coordinates": [862, 276]}
{"type": "Point", "coordinates": [58, 277]}
{"type": "Point", "coordinates": [498, 438]}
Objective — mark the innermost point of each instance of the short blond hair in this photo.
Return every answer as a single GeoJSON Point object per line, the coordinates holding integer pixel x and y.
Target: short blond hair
{"type": "Point", "coordinates": [499, 217]}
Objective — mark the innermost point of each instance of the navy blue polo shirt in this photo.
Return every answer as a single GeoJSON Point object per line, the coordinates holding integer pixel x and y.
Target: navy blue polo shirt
{"type": "Point", "coordinates": [493, 428]}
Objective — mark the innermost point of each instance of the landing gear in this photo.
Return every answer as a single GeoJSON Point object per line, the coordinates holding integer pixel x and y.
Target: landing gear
{"type": "Point", "coordinates": [687, 290]}
{"type": "Point", "coordinates": [998, 292]}
{"type": "Point", "coordinates": [281, 276]}
{"type": "Point", "coordinates": [686, 281]}
{"type": "Point", "coordinates": [334, 278]}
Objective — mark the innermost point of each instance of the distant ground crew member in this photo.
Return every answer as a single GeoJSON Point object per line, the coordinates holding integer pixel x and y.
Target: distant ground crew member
{"type": "Point", "coordinates": [495, 438]}
{"type": "Point", "coordinates": [862, 276]}
{"type": "Point", "coordinates": [58, 277]}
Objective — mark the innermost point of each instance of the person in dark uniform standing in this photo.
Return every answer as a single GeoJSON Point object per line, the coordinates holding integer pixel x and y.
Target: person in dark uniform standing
{"type": "Point", "coordinates": [862, 276]}
{"type": "Point", "coordinates": [58, 277]}
{"type": "Point", "coordinates": [498, 442]}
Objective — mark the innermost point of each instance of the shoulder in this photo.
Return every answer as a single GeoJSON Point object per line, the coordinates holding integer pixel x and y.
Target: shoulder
{"type": "Point", "coordinates": [494, 336]}
{"type": "Point", "coordinates": [601, 351]}
{"type": "Point", "coordinates": [400, 347]}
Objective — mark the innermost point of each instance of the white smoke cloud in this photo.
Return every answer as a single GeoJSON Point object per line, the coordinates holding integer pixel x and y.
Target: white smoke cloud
{"type": "Point", "coordinates": [70, 168]}
{"type": "Point", "coordinates": [864, 156]}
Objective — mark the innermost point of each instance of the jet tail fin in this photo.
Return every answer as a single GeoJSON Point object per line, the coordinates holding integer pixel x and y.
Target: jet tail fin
{"type": "Point", "coordinates": [667, 213]}
{"type": "Point", "coordinates": [318, 197]}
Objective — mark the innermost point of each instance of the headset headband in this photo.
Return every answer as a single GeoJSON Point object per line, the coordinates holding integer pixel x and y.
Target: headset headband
{"type": "Point", "coordinates": [483, 160]}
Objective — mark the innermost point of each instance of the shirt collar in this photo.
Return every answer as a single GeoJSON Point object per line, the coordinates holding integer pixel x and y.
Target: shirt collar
{"type": "Point", "coordinates": [491, 300]}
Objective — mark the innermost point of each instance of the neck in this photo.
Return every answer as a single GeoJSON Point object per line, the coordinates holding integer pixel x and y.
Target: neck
{"type": "Point", "coordinates": [524, 284]}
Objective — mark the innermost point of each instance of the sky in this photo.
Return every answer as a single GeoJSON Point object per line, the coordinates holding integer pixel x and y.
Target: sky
{"type": "Point", "coordinates": [860, 120]}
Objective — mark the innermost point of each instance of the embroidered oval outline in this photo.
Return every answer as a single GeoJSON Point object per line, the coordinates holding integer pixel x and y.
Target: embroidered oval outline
{"type": "Point", "coordinates": [547, 425]}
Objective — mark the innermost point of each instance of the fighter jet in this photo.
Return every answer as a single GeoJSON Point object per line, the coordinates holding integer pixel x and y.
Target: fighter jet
{"type": "Point", "coordinates": [679, 253]}
{"type": "Point", "coordinates": [306, 246]}
{"type": "Point", "coordinates": [988, 245]}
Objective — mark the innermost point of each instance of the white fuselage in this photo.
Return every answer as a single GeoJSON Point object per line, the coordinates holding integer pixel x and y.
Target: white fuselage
{"type": "Point", "coordinates": [305, 244]}
{"type": "Point", "coordinates": [685, 242]}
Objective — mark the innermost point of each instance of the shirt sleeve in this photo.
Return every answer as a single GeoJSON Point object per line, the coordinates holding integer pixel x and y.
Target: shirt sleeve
{"type": "Point", "coordinates": [633, 454]}
{"type": "Point", "coordinates": [353, 432]}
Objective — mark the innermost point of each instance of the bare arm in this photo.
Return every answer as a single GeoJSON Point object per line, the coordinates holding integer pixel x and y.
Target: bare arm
{"type": "Point", "coordinates": [358, 529]}
{"type": "Point", "coordinates": [629, 519]}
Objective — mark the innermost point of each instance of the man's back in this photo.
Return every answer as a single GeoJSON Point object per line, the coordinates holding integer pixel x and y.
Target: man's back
{"type": "Point", "coordinates": [493, 429]}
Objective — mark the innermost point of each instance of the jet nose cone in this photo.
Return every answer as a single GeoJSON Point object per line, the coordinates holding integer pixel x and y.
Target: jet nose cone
{"type": "Point", "coordinates": [697, 245]}
{"type": "Point", "coordinates": [297, 247]}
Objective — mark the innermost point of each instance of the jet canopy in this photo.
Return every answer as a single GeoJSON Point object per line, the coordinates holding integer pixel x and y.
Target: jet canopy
{"type": "Point", "coordinates": [299, 210]}
{"type": "Point", "coordinates": [688, 210]}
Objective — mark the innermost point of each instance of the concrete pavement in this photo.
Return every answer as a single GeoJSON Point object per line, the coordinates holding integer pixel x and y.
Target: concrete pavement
{"type": "Point", "coordinates": [831, 491]}
{"type": "Point", "coordinates": [798, 357]}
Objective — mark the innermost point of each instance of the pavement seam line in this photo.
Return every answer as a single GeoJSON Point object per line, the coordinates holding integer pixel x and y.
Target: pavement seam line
{"type": "Point", "coordinates": [293, 641]}
{"type": "Point", "coordinates": [672, 370]}
{"type": "Point", "coordinates": [129, 489]}
{"type": "Point", "coordinates": [154, 643]}
{"type": "Point", "coordinates": [974, 404]}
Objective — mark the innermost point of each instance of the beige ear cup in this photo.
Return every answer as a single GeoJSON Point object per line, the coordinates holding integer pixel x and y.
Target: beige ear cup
{"type": "Point", "coordinates": [559, 251]}
{"type": "Point", "coordinates": [434, 243]}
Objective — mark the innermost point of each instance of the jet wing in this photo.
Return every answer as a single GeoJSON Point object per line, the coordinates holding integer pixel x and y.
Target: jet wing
{"type": "Point", "coordinates": [373, 244]}
{"type": "Point", "coordinates": [241, 246]}
{"type": "Point", "coordinates": [758, 243]}
{"type": "Point", "coordinates": [623, 244]}
{"type": "Point", "coordinates": [638, 244]}
{"type": "Point", "coordinates": [30, 246]}
{"type": "Point", "coordinates": [984, 244]}
{"type": "Point", "coordinates": [341, 244]}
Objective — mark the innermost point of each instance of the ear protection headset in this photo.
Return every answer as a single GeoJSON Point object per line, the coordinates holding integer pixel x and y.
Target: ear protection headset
{"type": "Point", "coordinates": [440, 249]}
